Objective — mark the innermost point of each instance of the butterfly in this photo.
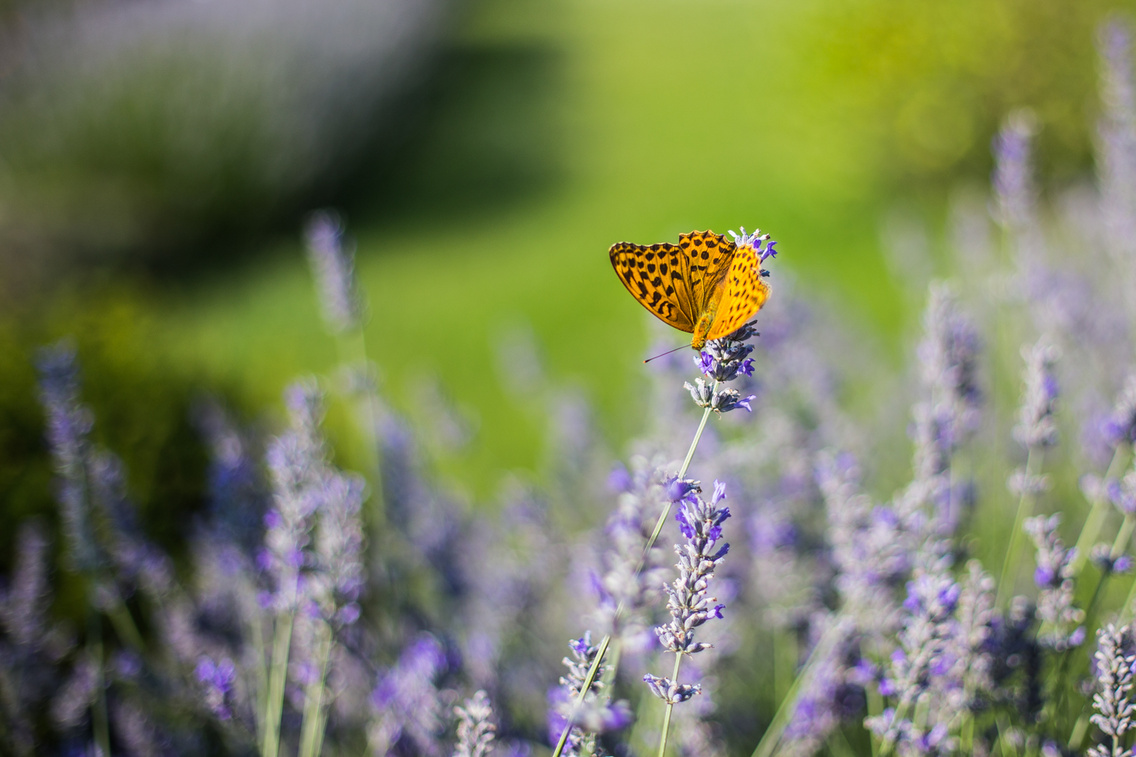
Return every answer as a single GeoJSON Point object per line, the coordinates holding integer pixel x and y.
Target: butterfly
{"type": "Point", "coordinates": [706, 285]}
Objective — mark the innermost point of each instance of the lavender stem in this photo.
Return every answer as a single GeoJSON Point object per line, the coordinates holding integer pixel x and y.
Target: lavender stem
{"type": "Point", "coordinates": [311, 732]}
{"type": "Point", "coordinates": [606, 641]}
{"type": "Point", "coordinates": [352, 348]}
{"type": "Point", "coordinates": [772, 736]}
{"type": "Point", "coordinates": [1093, 523]}
{"type": "Point", "coordinates": [99, 720]}
{"type": "Point", "coordinates": [274, 707]}
{"type": "Point", "coordinates": [1025, 509]}
{"type": "Point", "coordinates": [670, 705]}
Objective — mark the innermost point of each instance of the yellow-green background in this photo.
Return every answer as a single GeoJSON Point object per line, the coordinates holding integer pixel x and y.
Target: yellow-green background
{"type": "Point", "coordinates": [554, 129]}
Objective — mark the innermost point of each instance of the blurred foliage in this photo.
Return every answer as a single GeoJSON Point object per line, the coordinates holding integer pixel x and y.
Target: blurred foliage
{"type": "Point", "coordinates": [935, 80]}
{"type": "Point", "coordinates": [142, 407]}
{"type": "Point", "coordinates": [159, 129]}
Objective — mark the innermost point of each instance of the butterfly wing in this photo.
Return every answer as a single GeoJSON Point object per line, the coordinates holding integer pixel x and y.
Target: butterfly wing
{"type": "Point", "coordinates": [656, 275]}
{"type": "Point", "coordinates": [743, 293]}
{"type": "Point", "coordinates": [706, 257]}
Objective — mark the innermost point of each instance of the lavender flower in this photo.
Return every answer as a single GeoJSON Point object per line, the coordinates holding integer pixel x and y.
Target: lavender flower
{"type": "Point", "coordinates": [405, 703]}
{"type": "Point", "coordinates": [475, 727]}
{"type": "Point", "coordinates": [762, 244]}
{"type": "Point", "coordinates": [333, 265]}
{"type": "Point", "coordinates": [1014, 192]}
{"type": "Point", "coordinates": [336, 581]}
{"type": "Point", "coordinates": [690, 603]}
{"type": "Point", "coordinates": [924, 642]}
{"type": "Point", "coordinates": [68, 425]}
{"type": "Point", "coordinates": [721, 361]}
{"type": "Point", "coordinates": [295, 461]}
{"type": "Point", "coordinates": [217, 679]}
{"type": "Point", "coordinates": [1060, 620]}
{"type": "Point", "coordinates": [630, 581]}
{"type": "Point", "coordinates": [24, 605]}
{"type": "Point", "coordinates": [948, 358]}
{"type": "Point", "coordinates": [591, 715]}
{"type": "Point", "coordinates": [1117, 143]}
{"type": "Point", "coordinates": [1036, 427]}
{"type": "Point", "coordinates": [1120, 427]}
{"type": "Point", "coordinates": [1115, 660]}
{"type": "Point", "coordinates": [75, 697]}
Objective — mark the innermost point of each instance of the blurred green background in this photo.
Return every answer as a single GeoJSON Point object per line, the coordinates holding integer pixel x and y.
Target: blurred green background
{"type": "Point", "coordinates": [157, 161]}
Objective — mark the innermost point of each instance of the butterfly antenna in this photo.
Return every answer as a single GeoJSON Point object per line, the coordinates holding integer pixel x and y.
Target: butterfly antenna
{"type": "Point", "coordinates": [664, 354]}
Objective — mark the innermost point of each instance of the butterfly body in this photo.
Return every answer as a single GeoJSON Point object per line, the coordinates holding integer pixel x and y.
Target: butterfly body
{"type": "Point", "coordinates": [706, 285]}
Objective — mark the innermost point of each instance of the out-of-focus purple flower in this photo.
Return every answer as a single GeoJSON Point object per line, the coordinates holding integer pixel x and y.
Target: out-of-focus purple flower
{"type": "Point", "coordinates": [336, 581]}
{"type": "Point", "coordinates": [24, 604]}
{"type": "Point", "coordinates": [1059, 618]}
{"type": "Point", "coordinates": [237, 496]}
{"type": "Point", "coordinates": [948, 358]}
{"type": "Point", "coordinates": [1036, 427]}
{"type": "Point", "coordinates": [630, 580]}
{"type": "Point", "coordinates": [1122, 492]}
{"type": "Point", "coordinates": [1120, 428]}
{"type": "Point", "coordinates": [1116, 164]}
{"type": "Point", "coordinates": [68, 425]}
{"type": "Point", "coordinates": [296, 461]}
{"type": "Point", "coordinates": [1014, 192]}
{"type": "Point", "coordinates": [333, 265]}
{"type": "Point", "coordinates": [619, 480]}
{"type": "Point", "coordinates": [406, 704]}
{"type": "Point", "coordinates": [74, 698]}
{"type": "Point", "coordinates": [1102, 557]}
{"type": "Point", "coordinates": [217, 679]}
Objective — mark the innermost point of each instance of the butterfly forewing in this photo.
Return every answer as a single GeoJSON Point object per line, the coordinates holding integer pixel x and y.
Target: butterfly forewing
{"type": "Point", "coordinates": [743, 294]}
{"type": "Point", "coordinates": [656, 276]}
{"type": "Point", "coordinates": [708, 256]}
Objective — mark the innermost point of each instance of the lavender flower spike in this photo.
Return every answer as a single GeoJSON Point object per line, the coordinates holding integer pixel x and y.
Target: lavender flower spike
{"type": "Point", "coordinates": [722, 361]}
{"type": "Point", "coordinates": [762, 244]}
{"type": "Point", "coordinates": [594, 714]}
{"type": "Point", "coordinates": [690, 603]}
{"type": "Point", "coordinates": [333, 265]}
{"type": "Point", "coordinates": [1115, 659]}
{"type": "Point", "coordinates": [475, 727]}
{"type": "Point", "coordinates": [1036, 427]}
{"type": "Point", "coordinates": [68, 426]}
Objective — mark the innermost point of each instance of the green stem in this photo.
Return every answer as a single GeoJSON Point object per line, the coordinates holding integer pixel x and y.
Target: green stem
{"type": "Point", "coordinates": [311, 731]}
{"type": "Point", "coordinates": [667, 712]}
{"type": "Point", "coordinates": [1095, 520]}
{"type": "Point", "coordinates": [1123, 537]}
{"type": "Point", "coordinates": [772, 735]}
{"type": "Point", "coordinates": [1080, 728]}
{"type": "Point", "coordinates": [277, 677]}
{"type": "Point", "coordinates": [590, 678]}
{"type": "Point", "coordinates": [99, 721]}
{"type": "Point", "coordinates": [352, 348]}
{"type": "Point", "coordinates": [875, 708]}
{"type": "Point", "coordinates": [1025, 508]}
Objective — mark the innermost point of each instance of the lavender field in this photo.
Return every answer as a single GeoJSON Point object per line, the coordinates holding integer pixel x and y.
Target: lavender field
{"type": "Point", "coordinates": [804, 550]}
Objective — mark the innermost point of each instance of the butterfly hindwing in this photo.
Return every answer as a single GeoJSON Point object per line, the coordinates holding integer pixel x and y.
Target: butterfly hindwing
{"type": "Point", "coordinates": [656, 276]}
{"type": "Point", "coordinates": [743, 294]}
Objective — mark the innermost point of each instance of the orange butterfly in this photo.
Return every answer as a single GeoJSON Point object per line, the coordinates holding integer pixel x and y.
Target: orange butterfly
{"type": "Point", "coordinates": [707, 285]}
